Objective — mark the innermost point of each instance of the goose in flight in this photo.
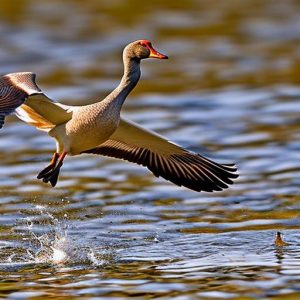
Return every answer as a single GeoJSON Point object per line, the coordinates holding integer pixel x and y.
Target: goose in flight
{"type": "Point", "coordinates": [99, 129]}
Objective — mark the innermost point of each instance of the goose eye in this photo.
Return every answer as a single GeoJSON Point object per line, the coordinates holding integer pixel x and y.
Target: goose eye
{"type": "Point", "coordinates": [146, 44]}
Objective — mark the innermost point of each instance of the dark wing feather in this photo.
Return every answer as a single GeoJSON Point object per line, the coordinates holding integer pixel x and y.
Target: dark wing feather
{"type": "Point", "coordinates": [163, 158]}
{"type": "Point", "coordinates": [14, 89]}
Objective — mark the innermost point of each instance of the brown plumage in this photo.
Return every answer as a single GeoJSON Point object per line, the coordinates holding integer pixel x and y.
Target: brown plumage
{"type": "Point", "coordinates": [163, 158]}
{"type": "Point", "coordinates": [98, 129]}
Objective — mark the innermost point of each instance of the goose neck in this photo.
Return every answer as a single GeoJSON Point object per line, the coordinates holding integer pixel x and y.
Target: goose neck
{"type": "Point", "coordinates": [129, 80]}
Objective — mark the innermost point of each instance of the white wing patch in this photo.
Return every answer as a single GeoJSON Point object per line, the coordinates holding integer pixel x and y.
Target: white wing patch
{"type": "Point", "coordinates": [43, 113]}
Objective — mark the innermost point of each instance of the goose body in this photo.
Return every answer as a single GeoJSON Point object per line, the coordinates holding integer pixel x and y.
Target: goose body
{"type": "Point", "coordinates": [99, 129]}
{"type": "Point", "coordinates": [89, 127]}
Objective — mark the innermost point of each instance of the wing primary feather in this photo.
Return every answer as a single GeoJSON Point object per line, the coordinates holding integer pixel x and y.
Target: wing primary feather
{"type": "Point", "coordinates": [133, 143]}
{"type": "Point", "coordinates": [212, 172]}
{"type": "Point", "coordinates": [209, 183]}
{"type": "Point", "coordinates": [214, 167]}
{"type": "Point", "coordinates": [186, 169]}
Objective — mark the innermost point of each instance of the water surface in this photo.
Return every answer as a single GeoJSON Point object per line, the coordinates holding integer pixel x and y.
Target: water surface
{"type": "Point", "coordinates": [110, 229]}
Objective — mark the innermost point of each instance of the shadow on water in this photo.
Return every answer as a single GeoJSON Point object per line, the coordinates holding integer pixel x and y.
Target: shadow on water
{"type": "Point", "coordinates": [110, 229]}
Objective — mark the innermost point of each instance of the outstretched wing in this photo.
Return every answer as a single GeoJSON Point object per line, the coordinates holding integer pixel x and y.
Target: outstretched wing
{"type": "Point", "coordinates": [43, 113]}
{"type": "Point", "coordinates": [15, 88]}
{"type": "Point", "coordinates": [166, 159]}
{"type": "Point", "coordinates": [40, 111]}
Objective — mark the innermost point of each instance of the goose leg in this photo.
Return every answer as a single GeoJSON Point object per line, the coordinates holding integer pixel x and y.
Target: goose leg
{"type": "Point", "coordinates": [50, 166]}
{"type": "Point", "coordinates": [52, 175]}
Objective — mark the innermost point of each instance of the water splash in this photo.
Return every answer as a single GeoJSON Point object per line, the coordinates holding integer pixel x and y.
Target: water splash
{"type": "Point", "coordinates": [46, 240]}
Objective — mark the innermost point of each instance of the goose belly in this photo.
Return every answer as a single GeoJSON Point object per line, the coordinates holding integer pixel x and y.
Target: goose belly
{"type": "Point", "coordinates": [87, 141]}
{"type": "Point", "coordinates": [89, 127]}
{"type": "Point", "coordinates": [90, 137]}
{"type": "Point", "coordinates": [76, 137]}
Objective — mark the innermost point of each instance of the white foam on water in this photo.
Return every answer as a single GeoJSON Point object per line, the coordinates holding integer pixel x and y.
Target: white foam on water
{"type": "Point", "coordinates": [54, 245]}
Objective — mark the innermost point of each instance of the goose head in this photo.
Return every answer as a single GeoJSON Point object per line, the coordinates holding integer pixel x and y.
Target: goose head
{"type": "Point", "coordinates": [142, 49]}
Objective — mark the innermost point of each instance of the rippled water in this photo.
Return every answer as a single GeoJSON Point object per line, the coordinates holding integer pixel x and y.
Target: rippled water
{"type": "Point", "coordinates": [110, 229]}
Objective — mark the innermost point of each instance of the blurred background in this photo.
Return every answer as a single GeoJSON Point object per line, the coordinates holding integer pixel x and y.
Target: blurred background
{"type": "Point", "coordinates": [211, 45]}
{"type": "Point", "coordinates": [230, 90]}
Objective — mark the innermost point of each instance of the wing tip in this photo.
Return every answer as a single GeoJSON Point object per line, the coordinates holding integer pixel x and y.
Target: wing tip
{"type": "Point", "coordinates": [24, 81]}
{"type": "Point", "coordinates": [189, 170]}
